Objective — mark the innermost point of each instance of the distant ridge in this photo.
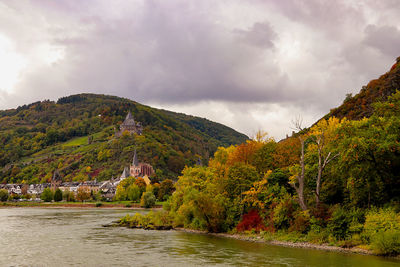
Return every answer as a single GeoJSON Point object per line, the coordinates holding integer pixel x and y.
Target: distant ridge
{"type": "Point", "coordinates": [77, 135]}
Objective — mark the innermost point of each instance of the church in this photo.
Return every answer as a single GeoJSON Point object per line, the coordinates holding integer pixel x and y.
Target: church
{"type": "Point", "coordinates": [138, 169]}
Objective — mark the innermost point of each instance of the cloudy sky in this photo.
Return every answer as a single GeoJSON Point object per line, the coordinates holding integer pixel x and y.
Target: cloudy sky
{"type": "Point", "coordinates": [248, 64]}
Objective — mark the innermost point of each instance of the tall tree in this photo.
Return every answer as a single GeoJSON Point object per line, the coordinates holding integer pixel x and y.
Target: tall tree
{"type": "Point", "coordinates": [323, 134]}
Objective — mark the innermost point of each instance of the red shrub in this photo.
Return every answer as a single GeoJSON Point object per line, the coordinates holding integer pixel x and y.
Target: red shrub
{"type": "Point", "coordinates": [251, 220]}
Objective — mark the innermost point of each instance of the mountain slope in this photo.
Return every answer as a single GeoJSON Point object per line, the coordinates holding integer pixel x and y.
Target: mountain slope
{"type": "Point", "coordinates": [76, 135]}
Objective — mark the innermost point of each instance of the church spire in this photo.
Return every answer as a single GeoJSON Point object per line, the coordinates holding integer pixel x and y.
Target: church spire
{"type": "Point", "coordinates": [135, 161]}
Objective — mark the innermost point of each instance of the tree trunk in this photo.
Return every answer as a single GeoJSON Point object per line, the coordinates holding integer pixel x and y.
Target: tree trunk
{"type": "Point", "coordinates": [300, 178]}
{"type": "Point", "coordinates": [318, 187]}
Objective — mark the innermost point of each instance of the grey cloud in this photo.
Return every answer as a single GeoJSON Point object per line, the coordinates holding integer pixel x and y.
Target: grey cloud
{"type": "Point", "coordinates": [166, 57]}
{"type": "Point", "coordinates": [291, 54]}
{"type": "Point", "coordinates": [261, 35]}
{"type": "Point", "coordinates": [385, 38]}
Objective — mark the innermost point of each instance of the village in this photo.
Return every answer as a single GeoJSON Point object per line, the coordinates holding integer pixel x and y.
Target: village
{"type": "Point", "coordinates": [107, 189]}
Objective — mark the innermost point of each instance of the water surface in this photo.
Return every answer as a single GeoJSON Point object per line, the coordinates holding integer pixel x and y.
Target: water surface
{"type": "Point", "coordinates": [75, 237]}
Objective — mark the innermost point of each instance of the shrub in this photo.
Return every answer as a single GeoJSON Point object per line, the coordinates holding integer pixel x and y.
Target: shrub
{"type": "Point", "coordinates": [148, 200]}
{"type": "Point", "coordinates": [386, 242]}
{"type": "Point", "coordinates": [99, 204]}
{"type": "Point", "coordinates": [251, 220]}
{"type": "Point", "coordinates": [377, 221]}
{"type": "Point", "coordinates": [3, 195]}
{"type": "Point", "coordinates": [283, 214]}
{"type": "Point", "coordinates": [301, 222]}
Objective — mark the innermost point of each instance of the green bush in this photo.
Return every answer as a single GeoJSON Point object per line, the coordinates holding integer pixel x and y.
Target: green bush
{"type": "Point", "coordinates": [386, 242]}
{"type": "Point", "coordinates": [47, 195]}
{"type": "Point", "coordinates": [344, 223]}
{"type": "Point", "coordinates": [148, 200]}
{"type": "Point", "coordinates": [378, 221]}
{"type": "Point", "coordinates": [58, 196]}
{"type": "Point", "coordinates": [3, 195]}
{"type": "Point", "coordinates": [99, 204]}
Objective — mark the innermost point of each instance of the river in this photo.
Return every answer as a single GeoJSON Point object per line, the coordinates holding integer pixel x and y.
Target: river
{"type": "Point", "coordinates": [75, 237]}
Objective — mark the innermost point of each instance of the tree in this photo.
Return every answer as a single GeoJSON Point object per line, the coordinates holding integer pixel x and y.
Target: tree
{"type": "Point", "coordinates": [323, 134]}
{"type": "Point", "coordinates": [58, 196]}
{"type": "Point", "coordinates": [148, 200]}
{"type": "Point", "coordinates": [68, 195]}
{"type": "Point", "coordinates": [121, 193]}
{"type": "Point", "coordinates": [133, 192]}
{"type": "Point", "coordinates": [166, 189]}
{"type": "Point", "coordinates": [240, 178]}
{"type": "Point", "coordinates": [3, 195]}
{"type": "Point", "coordinates": [141, 183]}
{"type": "Point", "coordinates": [47, 195]}
{"type": "Point", "coordinates": [299, 175]}
{"type": "Point", "coordinates": [83, 193]}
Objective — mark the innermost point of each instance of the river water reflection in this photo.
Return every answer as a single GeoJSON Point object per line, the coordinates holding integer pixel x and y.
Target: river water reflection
{"type": "Point", "coordinates": [75, 237]}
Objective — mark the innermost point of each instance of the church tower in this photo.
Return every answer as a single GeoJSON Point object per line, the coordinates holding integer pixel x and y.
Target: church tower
{"type": "Point", "coordinates": [135, 167]}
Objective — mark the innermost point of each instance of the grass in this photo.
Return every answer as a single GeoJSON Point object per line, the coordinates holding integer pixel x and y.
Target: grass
{"type": "Point", "coordinates": [79, 141]}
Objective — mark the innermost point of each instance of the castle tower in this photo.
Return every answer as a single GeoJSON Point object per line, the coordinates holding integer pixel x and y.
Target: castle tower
{"type": "Point", "coordinates": [130, 126]}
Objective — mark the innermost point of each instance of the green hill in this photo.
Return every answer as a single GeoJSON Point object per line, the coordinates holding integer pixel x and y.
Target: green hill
{"type": "Point", "coordinates": [38, 138]}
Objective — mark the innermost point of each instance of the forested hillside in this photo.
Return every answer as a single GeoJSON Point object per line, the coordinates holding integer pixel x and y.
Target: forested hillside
{"type": "Point", "coordinates": [76, 136]}
{"type": "Point", "coordinates": [337, 182]}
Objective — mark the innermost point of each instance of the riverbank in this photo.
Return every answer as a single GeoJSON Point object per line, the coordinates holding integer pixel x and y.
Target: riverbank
{"type": "Point", "coordinates": [306, 245]}
{"type": "Point", "coordinates": [78, 205]}
{"type": "Point", "coordinates": [162, 221]}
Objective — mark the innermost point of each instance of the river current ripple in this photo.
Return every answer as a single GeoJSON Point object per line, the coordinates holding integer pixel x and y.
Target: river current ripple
{"type": "Point", "coordinates": [75, 237]}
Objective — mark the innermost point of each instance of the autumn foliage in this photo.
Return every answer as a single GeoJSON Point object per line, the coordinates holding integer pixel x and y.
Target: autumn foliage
{"type": "Point", "coordinates": [251, 221]}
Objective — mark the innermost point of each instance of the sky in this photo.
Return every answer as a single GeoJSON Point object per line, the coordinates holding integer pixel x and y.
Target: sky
{"type": "Point", "coordinates": [251, 65]}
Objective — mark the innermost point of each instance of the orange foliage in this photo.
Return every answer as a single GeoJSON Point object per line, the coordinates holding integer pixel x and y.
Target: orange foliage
{"type": "Point", "coordinates": [244, 153]}
{"type": "Point", "coordinates": [287, 153]}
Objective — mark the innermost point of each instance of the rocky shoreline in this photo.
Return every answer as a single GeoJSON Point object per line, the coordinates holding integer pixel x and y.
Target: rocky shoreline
{"type": "Point", "coordinates": [306, 245]}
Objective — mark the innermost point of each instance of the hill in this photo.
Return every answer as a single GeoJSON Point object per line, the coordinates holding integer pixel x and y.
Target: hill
{"type": "Point", "coordinates": [378, 90]}
{"type": "Point", "coordinates": [76, 136]}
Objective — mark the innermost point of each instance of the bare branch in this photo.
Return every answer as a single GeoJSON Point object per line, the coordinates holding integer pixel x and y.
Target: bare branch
{"type": "Point", "coordinates": [297, 123]}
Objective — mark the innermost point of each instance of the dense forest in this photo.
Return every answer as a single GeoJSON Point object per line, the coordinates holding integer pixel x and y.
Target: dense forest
{"type": "Point", "coordinates": [76, 136]}
{"type": "Point", "coordinates": [337, 182]}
